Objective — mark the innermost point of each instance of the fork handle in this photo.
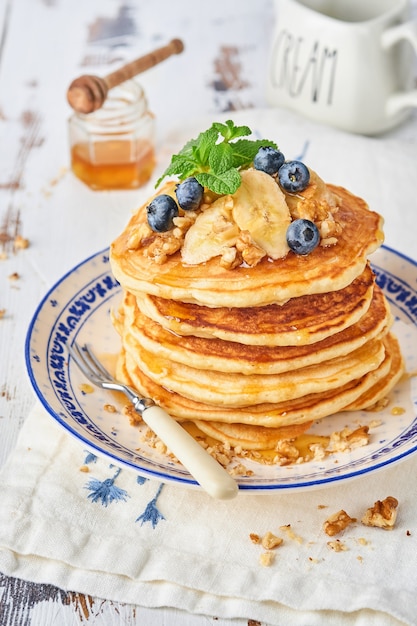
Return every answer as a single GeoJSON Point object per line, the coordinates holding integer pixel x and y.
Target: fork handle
{"type": "Point", "coordinates": [212, 477]}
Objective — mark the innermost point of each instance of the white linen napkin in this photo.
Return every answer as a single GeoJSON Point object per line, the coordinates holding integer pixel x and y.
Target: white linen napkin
{"type": "Point", "coordinates": [111, 534]}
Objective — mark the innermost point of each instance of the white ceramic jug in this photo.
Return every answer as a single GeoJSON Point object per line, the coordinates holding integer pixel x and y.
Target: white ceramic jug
{"type": "Point", "coordinates": [347, 63]}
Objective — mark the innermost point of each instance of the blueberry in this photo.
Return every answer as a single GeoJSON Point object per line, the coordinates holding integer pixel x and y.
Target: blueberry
{"type": "Point", "coordinates": [268, 160]}
{"type": "Point", "coordinates": [293, 176]}
{"type": "Point", "coordinates": [302, 236]}
{"type": "Point", "coordinates": [161, 211]}
{"type": "Point", "coordinates": [189, 194]}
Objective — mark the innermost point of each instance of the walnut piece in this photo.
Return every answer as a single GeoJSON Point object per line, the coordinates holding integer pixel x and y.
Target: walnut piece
{"type": "Point", "coordinates": [270, 541]}
{"type": "Point", "coordinates": [287, 453]}
{"type": "Point", "coordinates": [267, 558]}
{"type": "Point", "coordinates": [382, 515]}
{"type": "Point", "coordinates": [163, 246]}
{"type": "Point", "coordinates": [230, 258]}
{"type": "Point", "coordinates": [133, 416]}
{"type": "Point", "coordinates": [290, 533]}
{"type": "Point", "coordinates": [337, 522]}
{"type": "Point", "coordinates": [347, 439]}
{"type": "Point", "coordinates": [250, 251]}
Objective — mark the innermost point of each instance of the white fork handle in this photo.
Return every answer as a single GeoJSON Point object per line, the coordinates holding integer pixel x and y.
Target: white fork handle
{"type": "Point", "coordinates": [212, 477]}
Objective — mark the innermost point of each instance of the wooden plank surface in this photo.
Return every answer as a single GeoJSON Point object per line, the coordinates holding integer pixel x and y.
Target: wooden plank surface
{"type": "Point", "coordinates": [26, 604]}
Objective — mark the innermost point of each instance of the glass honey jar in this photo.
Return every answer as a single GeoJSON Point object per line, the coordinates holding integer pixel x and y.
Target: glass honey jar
{"type": "Point", "coordinates": [114, 147]}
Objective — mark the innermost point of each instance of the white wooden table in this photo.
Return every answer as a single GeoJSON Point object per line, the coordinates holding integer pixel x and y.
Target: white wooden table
{"type": "Point", "coordinates": [44, 44]}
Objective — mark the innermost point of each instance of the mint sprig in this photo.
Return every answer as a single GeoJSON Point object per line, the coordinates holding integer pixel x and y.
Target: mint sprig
{"type": "Point", "coordinates": [215, 157]}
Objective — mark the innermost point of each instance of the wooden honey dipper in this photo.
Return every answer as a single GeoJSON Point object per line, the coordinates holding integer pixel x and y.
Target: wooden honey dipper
{"type": "Point", "coordinates": [87, 93]}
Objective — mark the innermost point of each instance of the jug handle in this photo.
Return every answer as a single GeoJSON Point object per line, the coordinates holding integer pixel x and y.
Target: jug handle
{"type": "Point", "coordinates": [408, 32]}
{"type": "Point", "coordinates": [400, 101]}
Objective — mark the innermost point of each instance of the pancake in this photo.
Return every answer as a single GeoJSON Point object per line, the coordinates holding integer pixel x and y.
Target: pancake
{"type": "Point", "coordinates": [229, 356]}
{"type": "Point", "coordinates": [299, 321]}
{"type": "Point", "coordinates": [271, 281]}
{"type": "Point", "coordinates": [252, 437]}
{"type": "Point", "coordinates": [234, 390]}
{"type": "Point", "coordinates": [301, 410]}
{"type": "Point", "coordinates": [249, 437]}
{"type": "Point", "coordinates": [382, 387]}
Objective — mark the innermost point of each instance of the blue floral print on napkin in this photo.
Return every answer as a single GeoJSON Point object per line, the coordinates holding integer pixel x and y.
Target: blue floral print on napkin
{"type": "Point", "coordinates": [105, 492]}
{"type": "Point", "coordinates": [151, 513]}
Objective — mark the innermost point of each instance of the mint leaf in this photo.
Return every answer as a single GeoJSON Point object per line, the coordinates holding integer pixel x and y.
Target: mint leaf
{"type": "Point", "coordinates": [244, 150]}
{"type": "Point", "coordinates": [225, 183]}
{"type": "Point", "coordinates": [216, 156]}
{"type": "Point", "coordinates": [180, 166]}
{"type": "Point", "coordinates": [220, 158]}
{"type": "Point", "coordinates": [229, 131]}
{"type": "Point", "coordinates": [202, 147]}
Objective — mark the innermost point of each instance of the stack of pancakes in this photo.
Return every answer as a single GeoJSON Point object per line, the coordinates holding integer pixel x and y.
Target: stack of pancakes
{"type": "Point", "coordinates": [253, 355]}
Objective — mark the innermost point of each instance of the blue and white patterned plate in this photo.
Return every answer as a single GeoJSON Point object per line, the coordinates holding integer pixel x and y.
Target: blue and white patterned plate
{"type": "Point", "coordinates": [78, 308]}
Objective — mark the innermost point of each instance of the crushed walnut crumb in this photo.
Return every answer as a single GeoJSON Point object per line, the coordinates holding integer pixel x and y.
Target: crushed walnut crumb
{"type": "Point", "coordinates": [251, 253]}
{"type": "Point", "coordinates": [290, 533]}
{"type": "Point", "coordinates": [362, 541]}
{"type": "Point", "coordinates": [20, 243]}
{"type": "Point", "coordinates": [14, 276]}
{"type": "Point", "coordinates": [110, 408]}
{"type": "Point", "coordinates": [230, 258]}
{"type": "Point", "coordinates": [337, 545]}
{"type": "Point", "coordinates": [374, 424]}
{"type": "Point", "coordinates": [266, 559]}
{"type": "Point", "coordinates": [287, 452]}
{"type": "Point", "coordinates": [240, 470]}
{"type": "Point", "coordinates": [383, 514]}
{"type": "Point", "coordinates": [270, 541]}
{"type": "Point", "coordinates": [225, 455]}
{"type": "Point", "coordinates": [378, 406]}
{"type": "Point", "coordinates": [347, 439]}
{"type": "Point", "coordinates": [134, 417]}
{"type": "Point", "coordinates": [337, 522]}
{"type": "Point", "coordinates": [162, 246]}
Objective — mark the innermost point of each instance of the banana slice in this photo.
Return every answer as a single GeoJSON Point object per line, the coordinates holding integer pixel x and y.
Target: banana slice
{"type": "Point", "coordinates": [212, 232]}
{"type": "Point", "coordinates": [259, 207]}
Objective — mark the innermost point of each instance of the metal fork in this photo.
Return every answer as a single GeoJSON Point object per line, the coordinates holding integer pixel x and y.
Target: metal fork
{"type": "Point", "coordinates": [211, 476]}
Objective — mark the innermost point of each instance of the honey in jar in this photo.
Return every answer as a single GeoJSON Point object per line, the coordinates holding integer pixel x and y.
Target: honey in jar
{"type": "Point", "coordinates": [113, 147]}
